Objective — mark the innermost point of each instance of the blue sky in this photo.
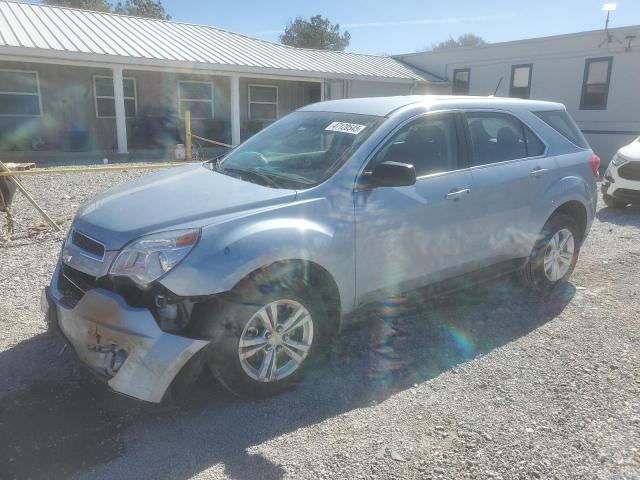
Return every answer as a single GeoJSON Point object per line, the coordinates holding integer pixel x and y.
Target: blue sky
{"type": "Point", "coordinates": [401, 26]}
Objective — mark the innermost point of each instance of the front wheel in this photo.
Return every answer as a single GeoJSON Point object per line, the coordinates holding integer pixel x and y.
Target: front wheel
{"type": "Point", "coordinates": [554, 255]}
{"type": "Point", "coordinates": [262, 346]}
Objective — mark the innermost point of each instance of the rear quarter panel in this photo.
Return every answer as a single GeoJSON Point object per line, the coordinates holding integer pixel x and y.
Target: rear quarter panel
{"type": "Point", "coordinates": [573, 181]}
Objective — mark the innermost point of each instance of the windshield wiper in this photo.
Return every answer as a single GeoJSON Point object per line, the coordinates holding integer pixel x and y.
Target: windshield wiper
{"type": "Point", "coordinates": [251, 171]}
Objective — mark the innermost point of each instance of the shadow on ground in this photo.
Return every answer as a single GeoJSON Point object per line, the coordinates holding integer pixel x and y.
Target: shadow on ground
{"type": "Point", "coordinates": [629, 215]}
{"type": "Point", "coordinates": [59, 426]}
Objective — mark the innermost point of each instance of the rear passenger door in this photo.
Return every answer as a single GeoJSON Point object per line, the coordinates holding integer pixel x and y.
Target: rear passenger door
{"type": "Point", "coordinates": [509, 170]}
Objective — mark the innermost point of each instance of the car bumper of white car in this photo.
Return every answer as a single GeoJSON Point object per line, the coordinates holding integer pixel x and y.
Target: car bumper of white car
{"type": "Point", "coordinates": [623, 182]}
{"type": "Point", "coordinates": [121, 344]}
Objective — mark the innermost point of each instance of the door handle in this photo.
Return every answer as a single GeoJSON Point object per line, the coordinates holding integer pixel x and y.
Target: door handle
{"type": "Point", "coordinates": [457, 194]}
{"type": "Point", "coordinates": [537, 172]}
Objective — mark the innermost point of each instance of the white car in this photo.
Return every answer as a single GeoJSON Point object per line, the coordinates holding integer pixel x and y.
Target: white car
{"type": "Point", "coordinates": [621, 185]}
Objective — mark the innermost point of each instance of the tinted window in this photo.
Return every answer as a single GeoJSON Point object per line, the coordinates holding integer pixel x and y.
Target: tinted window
{"type": "Point", "coordinates": [595, 85]}
{"type": "Point", "coordinates": [534, 145]}
{"type": "Point", "coordinates": [498, 137]}
{"type": "Point", "coordinates": [564, 124]}
{"type": "Point", "coordinates": [461, 80]}
{"type": "Point", "coordinates": [429, 144]}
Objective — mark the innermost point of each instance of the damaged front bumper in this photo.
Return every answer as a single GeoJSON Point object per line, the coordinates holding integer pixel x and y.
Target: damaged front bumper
{"type": "Point", "coordinates": [123, 345]}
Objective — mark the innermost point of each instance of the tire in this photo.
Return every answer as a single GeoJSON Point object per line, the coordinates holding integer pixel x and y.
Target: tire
{"type": "Point", "coordinates": [545, 280]}
{"type": "Point", "coordinates": [613, 202]}
{"type": "Point", "coordinates": [240, 316]}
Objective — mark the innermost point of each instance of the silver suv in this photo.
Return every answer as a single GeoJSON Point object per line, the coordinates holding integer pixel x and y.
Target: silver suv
{"type": "Point", "coordinates": [247, 263]}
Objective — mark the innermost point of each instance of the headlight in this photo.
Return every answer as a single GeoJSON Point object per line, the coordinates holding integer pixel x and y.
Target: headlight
{"type": "Point", "coordinates": [150, 257]}
{"type": "Point", "coordinates": [618, 160]}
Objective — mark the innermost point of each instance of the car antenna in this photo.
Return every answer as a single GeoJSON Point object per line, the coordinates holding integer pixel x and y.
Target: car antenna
{"type": "Point", "coordinates": [497, 87]}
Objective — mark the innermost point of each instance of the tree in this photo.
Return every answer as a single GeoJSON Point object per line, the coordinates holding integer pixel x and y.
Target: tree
{"type": "Point", "coordinates": [143, 8]}
{"type": "Point", "coordinates": [95, 5]}
{"type": "Point", "coordinates": [138, 8]}
{"type": "Point", "coordinates": [466, 40]}
{"type": "Point", "coordinates": [317, 32]}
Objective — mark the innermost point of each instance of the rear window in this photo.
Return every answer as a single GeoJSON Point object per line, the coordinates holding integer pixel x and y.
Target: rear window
{"type": "Point", "coordinates": [560, 121]}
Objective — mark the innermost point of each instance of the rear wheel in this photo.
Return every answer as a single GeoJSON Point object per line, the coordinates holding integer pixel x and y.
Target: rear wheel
{"type": "Point", "coordinates": [613, 202]}
{"type": "Point", "coordinates": [262, 343]}
{"type": "Point", "coordinates": [555, 254]}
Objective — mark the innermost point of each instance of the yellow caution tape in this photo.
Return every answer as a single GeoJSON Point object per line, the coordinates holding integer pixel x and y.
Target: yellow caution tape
{"type": "Point", "coordinates": [202, 139]}
{"type": "Point", "coordinates": [112, 168]}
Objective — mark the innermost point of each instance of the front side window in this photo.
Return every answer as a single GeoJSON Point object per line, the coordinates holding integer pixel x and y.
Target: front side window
{"type": "Point", "coordinates": [105, 98]}
{"type": "Point", "coordinates": [498, 137]}
{"type": "Point", "coordinates": [520, 81]}
{"type": "Point", "coordinates": [595, 85]}
{"type": "Point", "coordinates": [461, 81]}
{"type": "Point", "coordinates": [429, 144]}
{"type": "Point", "coordinates": [263, 103]}
{"type": "Point", "coordinates": [19, 93]}
{"type": "Point", "coordinates": [197, 97]}
{"type": "Point", "coordinates": [300, 150]}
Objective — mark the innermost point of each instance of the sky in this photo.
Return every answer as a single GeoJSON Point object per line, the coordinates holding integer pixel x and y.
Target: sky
{"type": "Point", "coordinates": [403, 26]}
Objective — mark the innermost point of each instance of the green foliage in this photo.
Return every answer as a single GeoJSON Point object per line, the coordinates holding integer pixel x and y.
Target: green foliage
{"type": "Point", "coordinates": [317, 32]}
{"type": "Point", "coordinates": [138, 8]}
{"type": "Point", "coordinates": [143, 8]}
{"type": "Point", "coordinates": [466, 40]}
{"type": "Point", "coordinates": [95, 5]}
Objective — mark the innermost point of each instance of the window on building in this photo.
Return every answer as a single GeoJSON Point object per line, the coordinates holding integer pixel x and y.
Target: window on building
{"type": "Point", "coordinates": [19, 93]}
{"type": "Point", "coordinates": [429, 144]}
{"type": "Point", "coordinates": [197, 97]}
{"type": "Point", "coordinates": [498, 137]}
{"type": "Point", "coordinates": [461, 80]}
{"type": "Point", "coordinates": [595, 84]}
{"type": "Point", "coordinates": [263, 102]}
{"type": "Point", "coordinates": [521, 81]}
{"type": "Point", "coordinates": [105, 99]}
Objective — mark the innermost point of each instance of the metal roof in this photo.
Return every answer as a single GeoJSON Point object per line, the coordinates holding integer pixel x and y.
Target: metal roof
{"type": "Point", "coordinates": [58, 32]}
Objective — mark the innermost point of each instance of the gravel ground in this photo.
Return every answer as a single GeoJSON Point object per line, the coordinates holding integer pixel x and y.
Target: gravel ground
{"type": "Point", "coordinates": [486, 383]}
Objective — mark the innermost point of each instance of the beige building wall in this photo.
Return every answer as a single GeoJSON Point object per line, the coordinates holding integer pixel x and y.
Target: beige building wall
{"type": "Point", "coordinates": [557, 75]}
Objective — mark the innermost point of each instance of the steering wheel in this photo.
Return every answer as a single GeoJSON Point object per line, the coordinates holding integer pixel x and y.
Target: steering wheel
{"type": "Point", "coordinates": [251, 159]}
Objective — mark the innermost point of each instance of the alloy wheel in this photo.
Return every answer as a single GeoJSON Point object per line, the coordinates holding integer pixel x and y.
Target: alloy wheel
{"type": "Point", "coordinates": [559, 255]}
{"type": "Point", "coordinates": [276, 340]}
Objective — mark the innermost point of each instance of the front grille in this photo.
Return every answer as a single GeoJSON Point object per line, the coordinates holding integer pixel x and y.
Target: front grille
{"type": "Point", "coordinates": [87, 244]}
{"type": "Point", "coordinates": [630, 171]}
{"type": "Point", "coordinates": [73, 284]}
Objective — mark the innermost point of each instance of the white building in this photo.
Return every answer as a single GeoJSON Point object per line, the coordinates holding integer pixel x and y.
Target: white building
{"type": "Point", "coordinates": [596, 77]}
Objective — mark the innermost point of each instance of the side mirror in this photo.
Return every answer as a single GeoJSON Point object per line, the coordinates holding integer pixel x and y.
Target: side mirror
{"type": "Point", "coordinates": [393, 174]}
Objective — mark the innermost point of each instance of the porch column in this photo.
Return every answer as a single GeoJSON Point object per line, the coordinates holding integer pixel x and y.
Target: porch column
{"type": "Point", "coordinates": [235, 109]}
{"type": "Point", "coordinates": [121, 123]}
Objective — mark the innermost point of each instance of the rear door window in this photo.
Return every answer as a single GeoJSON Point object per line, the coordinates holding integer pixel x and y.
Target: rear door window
{"type": "Point", "coordinates": [561, 122]}
{"type": "Point", "coordinates": [499, 137]}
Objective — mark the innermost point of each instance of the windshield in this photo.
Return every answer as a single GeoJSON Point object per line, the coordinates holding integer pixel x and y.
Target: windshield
{"type": "Point", "coordinates": [299, 151]}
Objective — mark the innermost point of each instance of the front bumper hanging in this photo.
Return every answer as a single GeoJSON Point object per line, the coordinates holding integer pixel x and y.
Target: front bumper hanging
{"type": "Point", "coordinates": [122, 344]}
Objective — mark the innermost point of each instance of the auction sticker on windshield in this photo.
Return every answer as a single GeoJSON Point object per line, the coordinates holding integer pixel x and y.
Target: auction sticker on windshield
{"type": "Point", "coordinates": [344, 127]}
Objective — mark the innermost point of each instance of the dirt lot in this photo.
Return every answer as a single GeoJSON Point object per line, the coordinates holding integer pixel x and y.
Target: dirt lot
{"type": "Point", "coordinates": [487, 383]}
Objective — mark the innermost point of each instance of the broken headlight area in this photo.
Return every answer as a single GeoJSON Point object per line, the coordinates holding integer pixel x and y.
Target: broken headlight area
{"type": "Point", "coordinates": [171, 312]}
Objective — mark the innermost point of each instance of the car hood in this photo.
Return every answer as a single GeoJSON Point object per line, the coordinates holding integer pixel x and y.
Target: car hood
{"type": "Point", "coordinates": [631, 151]}
{"type": "Point", "coordinates": [190, 196]}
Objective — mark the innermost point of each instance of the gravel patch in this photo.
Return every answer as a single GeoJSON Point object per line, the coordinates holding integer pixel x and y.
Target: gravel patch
{"type": "Point", "coordinates": [491, 382]}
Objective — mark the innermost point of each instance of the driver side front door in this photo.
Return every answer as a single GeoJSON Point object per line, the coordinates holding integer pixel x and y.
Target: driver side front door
{"type": "Point", "coordinates": [410, 236]}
